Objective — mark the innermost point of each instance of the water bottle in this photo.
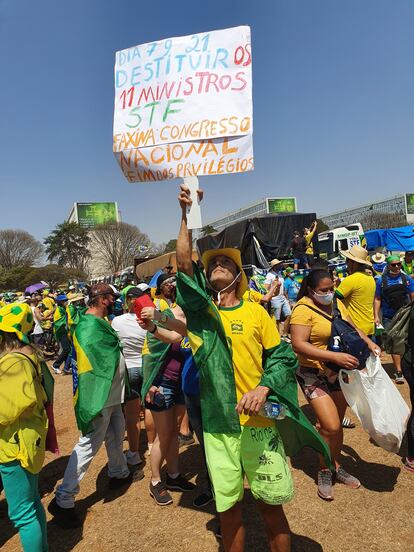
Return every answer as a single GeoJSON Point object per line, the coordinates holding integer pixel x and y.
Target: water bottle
{"type": "Point", "coordinates": [379, 329]}
{"type": "Point", "coordinates": [336, 346]}
{"type": "Point", "coordinates": [273, 410]}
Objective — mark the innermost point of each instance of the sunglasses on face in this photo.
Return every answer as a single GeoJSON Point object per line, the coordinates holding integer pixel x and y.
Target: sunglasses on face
{"type": "Point", "coordinates": [395, 264]}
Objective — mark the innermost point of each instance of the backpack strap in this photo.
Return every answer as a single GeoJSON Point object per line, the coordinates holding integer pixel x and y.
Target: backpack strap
{"type": "Point", "coordinates": [330, 318]}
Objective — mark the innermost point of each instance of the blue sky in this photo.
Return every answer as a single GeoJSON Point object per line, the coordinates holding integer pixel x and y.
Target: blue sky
{"type": "Point", "coordinates": [333, 89]}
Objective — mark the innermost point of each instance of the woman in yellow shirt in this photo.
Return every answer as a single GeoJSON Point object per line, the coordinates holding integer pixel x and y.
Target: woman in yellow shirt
{"type": "Point", "coordinates": [310, 331]}
{"type": "Point", "coordinates": [23, 426]}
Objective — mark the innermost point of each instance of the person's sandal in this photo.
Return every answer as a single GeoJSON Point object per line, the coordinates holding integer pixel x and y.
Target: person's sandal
{"type": "Point", "coordinates": [347, 423]}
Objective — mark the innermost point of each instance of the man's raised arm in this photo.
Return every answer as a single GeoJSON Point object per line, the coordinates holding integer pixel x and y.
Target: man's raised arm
{"type": "Point", "coordinates": [184, 247]}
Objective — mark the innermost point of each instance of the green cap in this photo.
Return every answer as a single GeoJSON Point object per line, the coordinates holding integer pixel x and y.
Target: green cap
{"type": "Point", "coordinates": [393, 258]}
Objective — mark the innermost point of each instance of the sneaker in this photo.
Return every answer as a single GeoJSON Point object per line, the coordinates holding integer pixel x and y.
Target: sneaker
{"type": "Point", "coordinates": [202, 500]}
{"type": "Point", "coordinates": [325, 484]}
{"type": "Point", "coordinates": [347, 423]}
{"type": "Point", "coordinates": [409, 464]}
{"type": "Point", "coordinates": [117, 482]}
{"type": "Point", "coordinates": [64, 517]}
{"type": "Point", "coordinates": [67, 372]}
{"type": "Point", "coordinates": [179, 483]}
{"type": "Point", "coordinates": [57, 370]}
{"type": "Point", "coordinates": [160, 494]}
{"type": "Point", "coordinates": [347, 479]}
{"type": "Point", "coordinates": [217, 533]}
{"type": "Point", "coordinates": [133, 458]}
{"type": "Point", "coordinates": [184, 440]}
{"type": "Point", "coordinates": [399, 378]}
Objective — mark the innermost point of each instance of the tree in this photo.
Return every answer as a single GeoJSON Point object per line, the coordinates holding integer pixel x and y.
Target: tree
{"type": "Point", "coordinates": [374, 220]}
{"type": "Point", "coordinates": [116, 244]}
{"type": "Point", "coordinates": [68, 245]}
{"type": "Point", "coordinates": [18, 248]}
{"type": "Point", "coordinates": [208, 229]}
{"type": "Point", "coordinates": [14, 278]}
{"type": "Point", "coordinates": [171, 246]}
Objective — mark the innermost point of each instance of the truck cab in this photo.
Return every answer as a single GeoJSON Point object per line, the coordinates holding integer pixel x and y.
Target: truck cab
{"type": "Point", "coordinates": [332, 242]}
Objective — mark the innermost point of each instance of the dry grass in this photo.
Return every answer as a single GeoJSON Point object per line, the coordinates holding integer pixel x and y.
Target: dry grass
{"type": "Point", "coordinates": [377, 517]}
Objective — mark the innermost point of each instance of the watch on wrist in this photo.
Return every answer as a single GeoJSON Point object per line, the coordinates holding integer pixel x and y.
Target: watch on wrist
{"type": "Point", "coordinates": [154, 329]}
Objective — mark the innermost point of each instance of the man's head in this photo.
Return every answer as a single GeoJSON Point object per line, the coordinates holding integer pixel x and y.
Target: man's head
{"type": "Point", "coordinates": [102, 297]}
{"type": "Point", "coordinates": [394, 264]}
{"type": "Point", "coordinates": [357, 259]}
{"type": "Point", "coordinates": [296, 234]}
{"type": "Point", "coordinates": [409, 256]}
{"type": "Point", "coordinates": [224, 270]}
{"type": "Point", "coordinates": [132, 294]}
{"type": "Point", "coordinates": [276, 265]}
{"type": "Point", "coordinates": [290, 273]}
{"type": "Point", "coordinates": [166, 286]}
{"type": "Point", "coordinates": [62, 300]}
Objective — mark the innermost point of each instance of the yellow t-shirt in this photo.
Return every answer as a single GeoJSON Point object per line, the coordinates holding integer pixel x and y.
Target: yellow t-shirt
{"type": "Point", "coordinates": [161, 304]}
{"type": "Point", "coordinates": [320, 328]}
{"type": "Point", "coordinates": [309, 244]}
{"type": "Point", "coordinates": [252, 296]}
{"type": "Point", "coordinates": [357, 292]}
{"type": "Point", "coordinates": [48, 302]}
{"type": "Point", "coordinates": [249, 330]}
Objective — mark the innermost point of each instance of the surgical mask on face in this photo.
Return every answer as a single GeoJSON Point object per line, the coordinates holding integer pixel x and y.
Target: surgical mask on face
{"type": "Point", "coordinates": [323, 298]}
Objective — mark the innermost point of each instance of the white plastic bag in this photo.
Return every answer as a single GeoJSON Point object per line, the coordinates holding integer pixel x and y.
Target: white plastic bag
{"type": "Point", "coordinates": [377, 403]}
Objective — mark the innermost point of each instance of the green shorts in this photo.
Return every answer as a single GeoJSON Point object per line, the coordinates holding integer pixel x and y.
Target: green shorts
{"type": "Point", "coordinates": [256, 452]}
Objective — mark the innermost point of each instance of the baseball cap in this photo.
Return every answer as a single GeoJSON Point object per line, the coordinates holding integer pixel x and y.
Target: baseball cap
{"type": "Point", "coordinates": [143, 287]}
{"type": "Point", "coordinates": [134, 292]}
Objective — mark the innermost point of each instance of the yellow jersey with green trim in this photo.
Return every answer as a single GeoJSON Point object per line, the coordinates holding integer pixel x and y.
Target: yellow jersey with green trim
{"type": "Point", "coordinates": [249, 330]}
{"type": "Point", "coordinates": [357, 292]}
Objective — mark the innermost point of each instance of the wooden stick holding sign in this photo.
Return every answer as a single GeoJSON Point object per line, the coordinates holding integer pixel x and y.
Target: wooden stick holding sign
{"type": "Point", "coordinates": [193, 211]}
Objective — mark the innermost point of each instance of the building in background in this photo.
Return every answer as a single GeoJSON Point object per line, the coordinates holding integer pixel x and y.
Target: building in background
{"type": "Point", "coordinates": [267, 206]}
{"type": "Point", "coordinates": [89, 215]}
{"type": "Point", "coordinates": [401, 206]}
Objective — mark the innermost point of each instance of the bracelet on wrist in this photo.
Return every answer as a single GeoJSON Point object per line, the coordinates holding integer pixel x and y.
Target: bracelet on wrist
{"type": "Point", "coordinates": [154, 329]}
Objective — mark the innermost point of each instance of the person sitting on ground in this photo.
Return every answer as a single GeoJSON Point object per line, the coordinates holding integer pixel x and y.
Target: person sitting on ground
{"type": "Point", "coordinates": [394, 289]}
{"type": "Point", "coordinates": [310, 328]}
{"type": "Point", "coordinates": [23, 426]}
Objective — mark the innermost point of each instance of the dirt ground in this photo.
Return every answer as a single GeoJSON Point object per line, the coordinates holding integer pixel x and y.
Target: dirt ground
{"type": "Point", "coordinates": [377, 517]}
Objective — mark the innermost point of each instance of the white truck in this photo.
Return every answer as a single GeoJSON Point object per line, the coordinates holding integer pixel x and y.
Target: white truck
{"type": "Point", "coordinates": [332, 242]}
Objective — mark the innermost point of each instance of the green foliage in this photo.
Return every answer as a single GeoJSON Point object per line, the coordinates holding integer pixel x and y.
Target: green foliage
{"type": "Point", "coordinates": [171, 246]}
{"type": "Point", "coordinates": [208, 229]}
{"type": "Point", "coordinates": [68, 246]}
{"type": "Point", "coordinates": [13, 278]}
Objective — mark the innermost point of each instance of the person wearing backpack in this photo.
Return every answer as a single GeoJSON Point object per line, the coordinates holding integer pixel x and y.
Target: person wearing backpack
{"type": "Point", "coordinates": [311, 329]}
{"type": "Point", "coordinates": [394, 290]}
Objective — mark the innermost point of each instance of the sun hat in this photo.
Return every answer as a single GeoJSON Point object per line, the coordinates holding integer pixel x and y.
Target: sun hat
{"type": "Point", "coordinates": [358, 254]}
{"type": "Point", "coordinates": [17, 318]}
{"type": "Point", "coordinates": [22, 299]}
{"type": "Point", "coordinates": [378, 257]}
{"type": "Point", "coordinates": [61, 297]}
{"type": "Point", "coordinates": [275, 262]}
{"type": "Point", "coordinates": [233, 254]}
{"type": "Point", "coordinates": [74, 297]}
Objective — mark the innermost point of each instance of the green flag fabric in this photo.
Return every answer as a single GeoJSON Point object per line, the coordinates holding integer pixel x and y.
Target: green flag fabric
{"type": "Point", "coordinates": [213, 357]}
{"type": "Point", "coordinates": [59, 322]}
{"type": "Point", "coordinates": [97, 349]}
{"type": "Point", "coordinates": [74, 313]}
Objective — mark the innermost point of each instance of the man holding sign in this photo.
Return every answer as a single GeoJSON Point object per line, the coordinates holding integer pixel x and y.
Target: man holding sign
{"type": "Point", "coordinates": [242, 364]}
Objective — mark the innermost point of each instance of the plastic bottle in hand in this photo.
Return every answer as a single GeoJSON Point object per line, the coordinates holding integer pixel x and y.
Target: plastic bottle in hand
{"type": "Point", "coordinates": [273, 410]}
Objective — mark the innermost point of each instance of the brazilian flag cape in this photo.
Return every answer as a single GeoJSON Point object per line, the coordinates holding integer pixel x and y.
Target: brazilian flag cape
{"type": "Point", "coordinates": [213, 357]}
{"type": "Point", "coordinates": [98, 350]}
{"type": "Point", "coordinates": [59, 322]}
{"type": "Point", "coordinates": [73, 314]}
{"type": "Point", "coordinates": [154, 353]}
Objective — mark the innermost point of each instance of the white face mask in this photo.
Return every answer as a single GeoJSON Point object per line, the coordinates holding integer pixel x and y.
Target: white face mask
{"type": "Point", "coordinates": [323, 298]}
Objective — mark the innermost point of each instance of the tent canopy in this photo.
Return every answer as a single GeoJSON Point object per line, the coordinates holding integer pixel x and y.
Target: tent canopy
{"type": "Point", "coordinates": [393, 239]}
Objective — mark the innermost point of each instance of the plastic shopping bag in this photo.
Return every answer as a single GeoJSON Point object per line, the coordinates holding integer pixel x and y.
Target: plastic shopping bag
{"type": "Point", "coordinates": [377, 403]}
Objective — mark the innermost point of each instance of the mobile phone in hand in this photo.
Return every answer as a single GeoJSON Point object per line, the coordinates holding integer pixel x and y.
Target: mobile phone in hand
{"type": "Point", "coordinates": [141, 302]}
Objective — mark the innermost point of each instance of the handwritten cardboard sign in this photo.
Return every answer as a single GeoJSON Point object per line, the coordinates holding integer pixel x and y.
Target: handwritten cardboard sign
{"type": "Point", "coordinates": [183, 106]}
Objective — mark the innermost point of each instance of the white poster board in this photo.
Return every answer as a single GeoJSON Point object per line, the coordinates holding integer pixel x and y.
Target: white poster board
{"type": "Point", "coordinates": [183, 106]}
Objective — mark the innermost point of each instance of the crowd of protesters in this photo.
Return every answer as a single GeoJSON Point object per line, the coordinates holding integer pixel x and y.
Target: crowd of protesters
{"type": "Point", "coordinates": [197, 353]}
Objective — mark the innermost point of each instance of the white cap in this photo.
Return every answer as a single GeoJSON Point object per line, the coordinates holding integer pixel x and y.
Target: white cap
{"type": "Point", "coordinates": [143, 287]}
